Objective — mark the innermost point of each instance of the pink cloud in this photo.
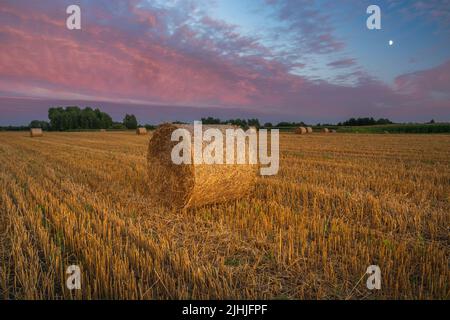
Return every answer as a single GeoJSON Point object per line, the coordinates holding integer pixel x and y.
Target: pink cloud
{"type": "Point", "coordinates": [150, 56]}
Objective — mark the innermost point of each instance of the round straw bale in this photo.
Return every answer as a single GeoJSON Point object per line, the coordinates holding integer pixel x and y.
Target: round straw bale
{"type": "Point", "coordinates": [102, 130]}
{"type": "Point", "coordinates": [309, 130]}
{"type": "Point", "coordinates": [325, 130]}
{"type": "Point", "coordinates": [36, 132]}
{"type": "Point", "coordinates": [141, 131]}
{"type": "Point", "coordinates": [333, 131]}
{"type": "Point", "coordinates": [191, 185]}
{"type": "Point", "coordinates": [301, 130]}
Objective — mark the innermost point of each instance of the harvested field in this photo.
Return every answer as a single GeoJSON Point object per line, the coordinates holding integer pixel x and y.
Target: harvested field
{"type": "Point", "coordinates": [339, 203]}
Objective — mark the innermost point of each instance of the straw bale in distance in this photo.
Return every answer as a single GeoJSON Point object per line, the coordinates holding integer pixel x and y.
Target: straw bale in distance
{"type": "Point", "coordinates": [192, 185]}
{"type": "Point", "coordinates": [333, 131]}
{"type": "Point", "coordinates": [141, 131]}
{"type": "Point", "coordinates": [36, 132]}
{"type": "Point", "coordinates": [301, 130]}
{"type": "Point", "coordinates": [102, 130]}
{"type": "Point", "coordinates": [325, 130]}
{"type": "Point", "coordinates": [309, 130]}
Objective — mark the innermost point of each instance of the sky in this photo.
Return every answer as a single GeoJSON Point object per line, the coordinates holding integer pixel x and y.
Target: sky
{"type": "Point", "coordinates": [277, 60]}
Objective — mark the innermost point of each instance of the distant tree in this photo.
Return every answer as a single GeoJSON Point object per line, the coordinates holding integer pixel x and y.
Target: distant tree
{"type": "Point", "coordinates": [432, 121]}
{"type": "Point", "coordinates": [88, 119]}
{"type": "Point", "coordinates": [55, 117]}
{"type": "Point", "coordinates": [238, 122]}
{"type": "Point", "coordinates": [384, 121]}
{"type": "Point", "coordinates": [104, 119]}
{"type": "Point", "coordinates": [253, 123]}
{"type": "Point", "coordinates": [73, 118]}
{"type": "Point", "coordinates": [14, 128]}
{"type": "Point", "coordinates": [211, 120]}
{"type": "Point", "coordinates": [149, 126]}
{"type": "Point", "coordinates": [118, 126]}
{"type": "Point", "coordinates": [44, 125]}
{"type": "Point", "coordinates": [130, 121]}
{"type": "Point", "coordinates": [268, 125]}
{"type": "Point", "coordinates": [365, 122]}
{"type": "Point", "coordinates": [291, 124]}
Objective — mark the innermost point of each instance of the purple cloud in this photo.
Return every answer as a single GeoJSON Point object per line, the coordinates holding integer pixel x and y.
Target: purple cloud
{"type": "Point", "coordinates": [343, 63]}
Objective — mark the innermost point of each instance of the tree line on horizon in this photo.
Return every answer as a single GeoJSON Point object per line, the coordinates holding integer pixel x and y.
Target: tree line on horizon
{"type": "Point", "coordinates": [255, 122]}
{"type": "Point", "coordinates": [364, 122]}
{"type": "Point", "coordinates": [75, 118]}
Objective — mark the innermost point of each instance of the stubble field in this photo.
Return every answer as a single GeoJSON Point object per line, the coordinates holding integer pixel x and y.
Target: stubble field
{"type": "Point", "coordinates": [340, 203]}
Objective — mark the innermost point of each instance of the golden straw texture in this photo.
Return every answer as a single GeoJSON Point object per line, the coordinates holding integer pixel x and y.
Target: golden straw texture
{"type": "Point", "coordinates": [141, 131]}
{"type": "Point", "coordinates": [301, 130]}
{"type": "Point", "coordinates": [193, 185]}
{"type": "Point", "coordinates": [36, 132]}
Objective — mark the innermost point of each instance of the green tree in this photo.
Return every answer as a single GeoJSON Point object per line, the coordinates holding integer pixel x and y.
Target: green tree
{"type": "Point", "coordinates": [105, 120]}
{"type": "Point", "coordinates": [44, 125]}
{"type": "Point", "coordinates": [211, 120]}
{"type": "Point", "coordinates": [130, 121]}
{"type": "Point", "coordinates": [73, 118]}
{"type": "Point", "coordinates": [253, 123]}
{"type": "Point", "coordinates": [55, 117]}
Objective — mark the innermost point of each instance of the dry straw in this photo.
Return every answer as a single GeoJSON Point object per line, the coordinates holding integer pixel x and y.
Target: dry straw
{"type": "Point", "coordinates": [333, 131]}
{"type": "Point", "coordinates": [193, 185]}
{"type": "Point", "coordinates": [141, 131]}
{"type": "Point", "coordinates": [325, 130]}
{"type": "Point", "coordinates": [36, 132]}
{"type": "Point", "coordinates": [309, 130]}
{"type": "Point", "coordinates": [301, 130]}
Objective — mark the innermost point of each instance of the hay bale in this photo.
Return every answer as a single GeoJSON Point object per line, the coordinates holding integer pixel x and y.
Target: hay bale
{"type": "Point", "coordinates": [333, 131]}
{"type": "Point", "coordinates": [141, 131]}
{"type": "Point", "coordinates": [301, 130]}
{"type": "Point", "coordinates": [36, 132]}
{"type": "Point", "coordinates": [192, 185]}
{"type": "Point", "coordinates": [309, 130]}
{"type": "Point", "coordinates": [102, 130]}
{"type": "Point", "coordinates": [325, 130]}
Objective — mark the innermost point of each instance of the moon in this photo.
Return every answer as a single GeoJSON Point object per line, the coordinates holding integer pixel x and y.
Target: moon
{"type": "Point", "coordinates": [391, 42]}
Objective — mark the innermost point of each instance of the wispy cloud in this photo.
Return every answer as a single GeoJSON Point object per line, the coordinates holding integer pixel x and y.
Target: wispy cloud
{"type": "Point", "coordinates": [176, 53]}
